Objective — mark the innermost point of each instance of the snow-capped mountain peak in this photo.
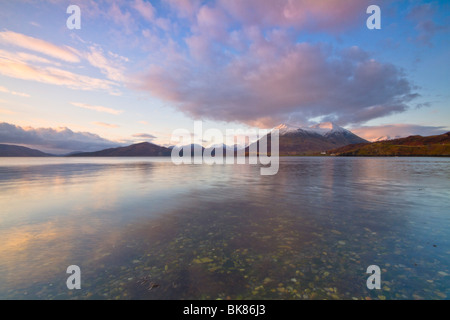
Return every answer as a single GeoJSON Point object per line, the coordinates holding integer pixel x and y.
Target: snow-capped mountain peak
{"type": "Point", "coordinates": [317, 138]}
{"type": "Point", "coordinates": [285, 128]}
{"type": "Point", "coordinates": [326, 127]}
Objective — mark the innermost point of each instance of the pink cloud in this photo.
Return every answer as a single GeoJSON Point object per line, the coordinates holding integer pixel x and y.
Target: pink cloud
{"type": "Point", "coordinates": [97, 108]}
{"type": "Point", "coordinates": [145, 9]}
{"type": "Point", "coordinates": [393, 131]}
{"type": "Point", "coordinates": [125, 19]}
{"type": "Point", "coordinates": [212, 21]}
{"type": "Point", "coordinates": [185, 8]}
{"type": "Point", "coordinates": [64, 53]}
{"type": "Point", "coordinates": [105, 125]}
{"type": "Point", "coordinates": [111, 68]}
{"type": "Point", "coordinates": [331, 15]}
{"type": "Point", "coordinates": [51, 70]}
{"type": "Point", "coordinates": [241, 61]}
{"type": "Point", "coordinates": [199, 48]}
{"type": "Point", "coordinates": [50, 75]}
{"type": "Point", "coordinates": [275, 80]}
{"type": "Point", "coordinates": [15, 93]}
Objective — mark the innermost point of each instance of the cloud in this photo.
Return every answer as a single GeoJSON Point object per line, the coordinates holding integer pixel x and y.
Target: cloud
{"type": "Point", "coordinates": [26, 57]}
{"type": "Point", "coordinates": [35, 24]}
{"type": "Point", "coordinates": [185, 8]}
{"type": "Point", "coordinates": [122, 18]}
{"type": "Point", "coordinates": [105, 125]}
{"type": "Point", "coordinates": [23, 56]}
{"type": "Point", "coordinates": [60, 140]}
{"type": "Point", "coordinates": [21, 94]}
{"type": "Point", "coordinates": [54, 76]}
{"type": "Point", "coordinates": [311, 15]}
{"type": "Point", "coordinates": [27, 66]}
{"type": "Point", "coordinates": [146, 136]}
{"type": "Point", "coordinates": [145, 9]}
{"type": "Point", "coordinates": [422, 15]}
{"type": "Point", "coordinates": [112, 69]}
{"type": "Point", "coordinates": [274, 79]}
{"type": "Point", "coordinates": [64, 53]}
{"type": "Point", "coordinates": [97, 108]}
{"type": "Point", "coordinates": [306, 15]}
{"type": "Point", "coordinates": [392, 131]}
{"type": "Point", "coordinates": [243, 61]}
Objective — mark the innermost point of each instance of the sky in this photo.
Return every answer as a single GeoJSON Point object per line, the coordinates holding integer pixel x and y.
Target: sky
{"type": "Point", "coordinates": [137, 70]}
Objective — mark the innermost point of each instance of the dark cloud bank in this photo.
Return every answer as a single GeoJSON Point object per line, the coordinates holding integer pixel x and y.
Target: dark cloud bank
{"type": "Point", "coordinates": [57, 141]}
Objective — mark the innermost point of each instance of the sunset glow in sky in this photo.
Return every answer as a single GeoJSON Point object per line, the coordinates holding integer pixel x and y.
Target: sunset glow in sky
{"type": "Point", "coordinates": [137, 70]}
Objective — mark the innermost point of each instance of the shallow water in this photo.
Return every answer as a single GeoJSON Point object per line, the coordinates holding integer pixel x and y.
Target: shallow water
{"type": "Point", "coordinates": [143, 228]}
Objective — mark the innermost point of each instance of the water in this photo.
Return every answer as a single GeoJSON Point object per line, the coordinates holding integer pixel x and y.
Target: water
{"type": "Point", "coordinates": [143, 228]}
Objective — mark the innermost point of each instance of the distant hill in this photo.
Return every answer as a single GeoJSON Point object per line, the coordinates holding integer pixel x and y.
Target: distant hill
{"type": "Point", "coordinates": [319, 138]}
{"type": "Point", "coordinates": [7, 150]}
{"type": "Point", "coordinates": [144, 149]}
{"type": "Point", "coordinates": [410, 146]}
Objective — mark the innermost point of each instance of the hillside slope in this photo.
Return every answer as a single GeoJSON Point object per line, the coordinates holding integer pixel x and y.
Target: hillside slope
{"type": "Point", "coordinates": [144, 149]}
{"type": "Point", "coordinates": [410, 146]}
{"type": "Point", "coordinates": [7, 150]}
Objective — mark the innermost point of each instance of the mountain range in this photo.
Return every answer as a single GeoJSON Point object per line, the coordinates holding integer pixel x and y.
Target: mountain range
{"type": "Point", "coordinates": [310, 140]}
{"type": "Point", "coordinates": [325, 138]}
